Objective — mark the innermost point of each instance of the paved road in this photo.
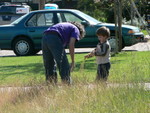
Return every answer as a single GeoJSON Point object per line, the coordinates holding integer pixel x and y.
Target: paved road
{"type": "Point", "coordinates": [145, 86]}
{"type": "Point", "coordinates": [4, 53]}
{"type": "Point", "coordinates": [141, 46]}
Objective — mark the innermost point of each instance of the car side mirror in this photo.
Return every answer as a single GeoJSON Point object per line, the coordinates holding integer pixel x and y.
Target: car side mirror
{"type": "Point", "coordinates": [85, 23]}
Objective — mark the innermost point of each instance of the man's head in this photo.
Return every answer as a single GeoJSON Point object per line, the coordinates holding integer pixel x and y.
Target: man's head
{"type": "Point", "coordinates": [80, 27]}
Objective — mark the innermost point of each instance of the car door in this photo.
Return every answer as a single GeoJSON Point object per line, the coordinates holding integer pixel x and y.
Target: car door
{"type": "Point", "coordinates": [90, 39]}
{"type": "Point", "coordinates": [37, 24]}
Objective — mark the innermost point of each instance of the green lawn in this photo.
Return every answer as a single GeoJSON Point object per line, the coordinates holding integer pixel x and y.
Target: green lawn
{"type": "Point", "coordinates": [125, 67]}
{"type": "Point", "coordinates": [84, 96]}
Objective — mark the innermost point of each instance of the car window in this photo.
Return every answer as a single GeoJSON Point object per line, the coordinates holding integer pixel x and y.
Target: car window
{"type": "Point", "coordinates": [90, 19]}
{"type": "Point", "coordinates": [32, 22]}
{"type": "Point", "coordinates": [59, 15]}
{"type": "Point", "coordinates": [42, 19]}
{"type": "Point", "coordinates": [65, 17]}
{"type": "Point", "coordinates": [49, 18]}
{"type": "Point", "coordinates": [18, 20]}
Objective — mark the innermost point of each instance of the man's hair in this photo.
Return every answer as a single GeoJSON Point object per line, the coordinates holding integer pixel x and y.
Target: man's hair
{"type": "Point", "coordinates": [104, 31]}
{"type": "Point", "coordinates": [80, 27]}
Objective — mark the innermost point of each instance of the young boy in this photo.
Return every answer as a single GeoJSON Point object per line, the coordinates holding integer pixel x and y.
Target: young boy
{"type": "Point", "coordinates": [102, 53]}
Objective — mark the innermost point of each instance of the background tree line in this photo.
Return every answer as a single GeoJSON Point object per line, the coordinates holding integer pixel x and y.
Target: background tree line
{"type": "Point", "coordinates": [103, 10]}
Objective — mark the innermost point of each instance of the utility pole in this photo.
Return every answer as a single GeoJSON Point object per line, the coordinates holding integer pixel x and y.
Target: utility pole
{"type": "Point", "coordinates": [132, 13]}
{"type": "Point", "coordinates": [118, 23]}
{"type": "Point", "coordinates": [41, 4]}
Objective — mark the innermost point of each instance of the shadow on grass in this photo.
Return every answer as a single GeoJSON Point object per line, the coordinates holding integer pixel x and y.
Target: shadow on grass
{"type": "Point", "coordinates": [37, 68]}
{"type": "Point", "coordinates": [27, 70]}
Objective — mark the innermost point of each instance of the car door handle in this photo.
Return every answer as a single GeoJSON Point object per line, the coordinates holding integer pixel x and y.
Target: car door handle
{"type": "Point", "coordinates": [32, 30]}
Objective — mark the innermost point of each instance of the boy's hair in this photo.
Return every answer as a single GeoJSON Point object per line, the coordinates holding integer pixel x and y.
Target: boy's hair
{"type": "Point", "coordinates": [80, 27]}
{"type": "Point", "coordinates": [104, 31]}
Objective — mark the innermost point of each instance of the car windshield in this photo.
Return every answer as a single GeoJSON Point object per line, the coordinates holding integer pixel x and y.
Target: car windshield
{"type": "Point", "coordinates": [90, 19]}
{"type": "Point", "coordinates": [18, 20]}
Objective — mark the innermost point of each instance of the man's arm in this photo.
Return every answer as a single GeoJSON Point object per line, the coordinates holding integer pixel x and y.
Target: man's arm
{"type": "Point", "coordinates": [71, 50]}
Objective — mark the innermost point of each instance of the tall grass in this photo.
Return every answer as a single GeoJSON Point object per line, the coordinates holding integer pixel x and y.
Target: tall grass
{"type": "Point", "coordinates": [77, 99]}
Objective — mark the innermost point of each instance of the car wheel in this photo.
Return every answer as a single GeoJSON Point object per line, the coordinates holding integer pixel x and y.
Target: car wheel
{"type": "Point", "coordinates": [113, 43]}
{"type": "Point", "coordinates": [123, 44]}
{"type": "Point", "coordinates": [23, 47]}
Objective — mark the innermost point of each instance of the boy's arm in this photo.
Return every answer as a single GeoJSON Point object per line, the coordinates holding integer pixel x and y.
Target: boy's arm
{"type": "Point", "coordinates": [91, 54]}
{"type": "Point", "coordinates": [104, 49]}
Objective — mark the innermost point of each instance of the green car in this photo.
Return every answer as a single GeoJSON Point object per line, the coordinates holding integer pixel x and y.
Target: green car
{"type": "Point", "coordinates": [23, 36]}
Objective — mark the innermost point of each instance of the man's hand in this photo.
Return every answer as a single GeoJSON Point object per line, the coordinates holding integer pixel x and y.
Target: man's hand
{"type": "Point", "coordinates": [72, 66]}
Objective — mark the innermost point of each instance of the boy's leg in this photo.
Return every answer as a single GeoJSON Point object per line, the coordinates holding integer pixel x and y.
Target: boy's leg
{"type": "Point", "coordinates": [107, 68]}
{"type": "Point", "coordinates": [103, 71]}
{"type": "Point", "coordinates": [99, 75]}
{"type": "Point", "coordinates": [49, 63]}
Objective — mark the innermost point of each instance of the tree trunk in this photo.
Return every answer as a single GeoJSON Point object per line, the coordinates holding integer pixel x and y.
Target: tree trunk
{"type": "Point", "coordinates": [41, 4]}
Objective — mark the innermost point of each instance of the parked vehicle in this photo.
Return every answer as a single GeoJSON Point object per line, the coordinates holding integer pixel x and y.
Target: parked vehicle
{"type": "Point", "coordinates": [51, 6]}
{"type": "Point", "coordinates": [4, 3]}
{"type": "Point", "coordinates": [23, 36]}
{"type": "Point", "coordinates": [11, 12]}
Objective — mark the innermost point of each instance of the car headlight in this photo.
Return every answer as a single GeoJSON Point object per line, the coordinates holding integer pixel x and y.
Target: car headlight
{"type": "Point", "coordinates": [133, 31]}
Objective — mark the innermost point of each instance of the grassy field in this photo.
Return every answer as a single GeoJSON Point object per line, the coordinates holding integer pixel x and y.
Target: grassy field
{"type": "Point", "coordinates": [84, 96]}
{"type": "Point", "coordinates": [145, 32]}
{"type": "Point", "coordinates": [125, 67]}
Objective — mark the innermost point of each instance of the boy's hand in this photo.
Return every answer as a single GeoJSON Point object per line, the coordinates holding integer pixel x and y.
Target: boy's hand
{"type": "Point", "coordinates": [86, 56]}
{"type": "Point", "coordinates": [91, 54]}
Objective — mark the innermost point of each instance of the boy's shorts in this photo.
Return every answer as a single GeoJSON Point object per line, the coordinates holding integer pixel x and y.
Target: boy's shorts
{"type": "Point", "coordinates": [103, 71]}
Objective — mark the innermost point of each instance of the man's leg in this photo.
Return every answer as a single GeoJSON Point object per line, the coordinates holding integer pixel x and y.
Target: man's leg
{"type": "Point", "coordinates": [49, 63]}
{"type": "Point", "coordinates": [60, 57]}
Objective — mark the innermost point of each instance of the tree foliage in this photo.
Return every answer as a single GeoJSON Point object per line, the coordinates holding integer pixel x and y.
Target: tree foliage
{"type": "Point", "coordinates": [103, 10]}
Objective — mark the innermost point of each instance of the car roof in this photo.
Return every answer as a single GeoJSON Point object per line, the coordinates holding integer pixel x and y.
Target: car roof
{"type": "Point", "coordinates": [53, 10]}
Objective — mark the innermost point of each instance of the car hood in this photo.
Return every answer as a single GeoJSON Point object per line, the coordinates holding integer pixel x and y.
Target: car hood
{"type": "Point", "coordinates": [4, 26]}
{"type": "Point", "coordinates": [110, 25]}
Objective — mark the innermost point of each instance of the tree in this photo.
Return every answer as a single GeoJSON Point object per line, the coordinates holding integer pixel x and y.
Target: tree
{"type": "Point", "coordinates": [41, 4]}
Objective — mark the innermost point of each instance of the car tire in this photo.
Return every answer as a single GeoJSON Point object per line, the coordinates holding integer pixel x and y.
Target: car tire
{"type": "Point", "coordinates": [123, 44]}
{"type": "Point", "coordinates": [113, 43]}
{"type": "Point", "coordinates": [23, 46]}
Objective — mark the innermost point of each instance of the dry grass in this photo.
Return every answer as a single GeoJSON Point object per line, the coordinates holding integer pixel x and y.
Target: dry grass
{"type": "Point", "coordinates": [79, 98]}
